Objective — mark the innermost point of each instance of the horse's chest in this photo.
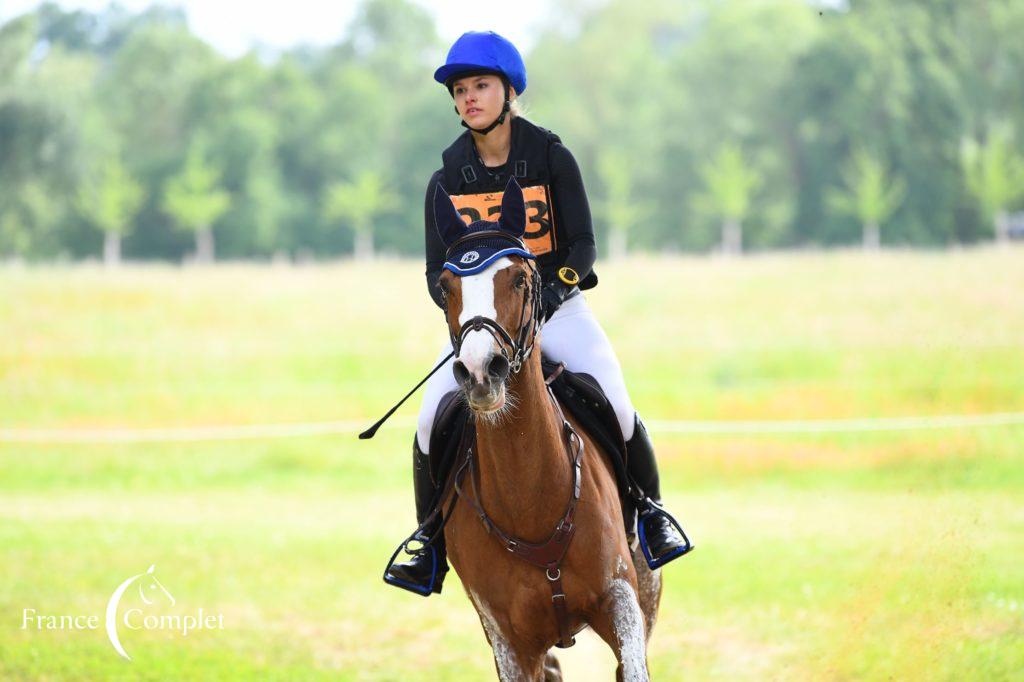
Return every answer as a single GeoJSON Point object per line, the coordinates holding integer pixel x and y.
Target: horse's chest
{"type": "Point", "coordinates": [508, 585]}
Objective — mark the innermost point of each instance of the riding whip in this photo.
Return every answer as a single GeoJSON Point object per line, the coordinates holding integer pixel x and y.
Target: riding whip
{"type": "Point", "coordinates": [369, 433]}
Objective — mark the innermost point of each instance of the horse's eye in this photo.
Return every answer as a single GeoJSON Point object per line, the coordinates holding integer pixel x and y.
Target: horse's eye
{"type": "Point", "coordinates": [520, 281]}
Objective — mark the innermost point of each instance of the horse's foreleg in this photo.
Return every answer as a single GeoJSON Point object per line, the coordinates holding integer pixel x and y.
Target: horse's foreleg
{"type": "Point", "coordinates": [513, 660]}
{"type": "Point", "coordinates": [516, 662]}
{"type": "Point", "coordinates": [620, 623]}
{"type": "Point", "coordinates": [552, 668]}
{"type": "Point", "coordinates": [648, 584]}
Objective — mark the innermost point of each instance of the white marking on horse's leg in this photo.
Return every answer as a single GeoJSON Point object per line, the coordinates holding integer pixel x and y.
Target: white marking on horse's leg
{"type": "Point", "coordinates": [648, 583]}
{"type": "Point", "coordinates": [478, 299]}
{"type": "Point", "coordinates": [504, 658]}
{"type": "Point", "coordinates": [621, 567]}
{"type": "Point", "coordinates": [628, 624]}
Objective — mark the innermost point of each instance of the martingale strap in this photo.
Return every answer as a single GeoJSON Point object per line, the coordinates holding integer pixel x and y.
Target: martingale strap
{"type": "Point", "coordinates": [550, 553]}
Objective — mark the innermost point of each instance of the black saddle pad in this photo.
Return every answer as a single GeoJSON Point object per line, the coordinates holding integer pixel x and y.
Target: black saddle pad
{"type": "Point", "coordinates": [449, 423]}
{"type": "Point", "coordinates": [579, 394]}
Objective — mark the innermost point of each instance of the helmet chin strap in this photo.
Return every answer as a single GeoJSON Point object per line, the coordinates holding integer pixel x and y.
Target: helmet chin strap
{"type": "Point", "coordinates": [498, 121]}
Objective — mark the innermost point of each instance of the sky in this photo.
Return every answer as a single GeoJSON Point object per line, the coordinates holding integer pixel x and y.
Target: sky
{"type": "Point", "coordinates": [232, 26]}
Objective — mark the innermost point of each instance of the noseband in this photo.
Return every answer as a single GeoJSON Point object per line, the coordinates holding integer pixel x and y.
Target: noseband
{"type": "Point", "coordinates": [517, 350]}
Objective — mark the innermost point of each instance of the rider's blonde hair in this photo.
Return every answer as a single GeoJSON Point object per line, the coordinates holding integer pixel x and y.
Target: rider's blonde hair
{"type": "Point", "coordinates": [516, 109]}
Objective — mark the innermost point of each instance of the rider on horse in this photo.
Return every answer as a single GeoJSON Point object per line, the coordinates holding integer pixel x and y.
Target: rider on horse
{"type": "Point", "coordinates": [484, 73]}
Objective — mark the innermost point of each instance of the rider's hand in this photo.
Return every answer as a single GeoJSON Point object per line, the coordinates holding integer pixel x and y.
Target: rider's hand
{"type": "Point", "coordinates": [552, 296]}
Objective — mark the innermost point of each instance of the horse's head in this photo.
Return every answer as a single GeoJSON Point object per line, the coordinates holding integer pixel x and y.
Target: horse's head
{"type": "Point", "coordinates": [491, 287]}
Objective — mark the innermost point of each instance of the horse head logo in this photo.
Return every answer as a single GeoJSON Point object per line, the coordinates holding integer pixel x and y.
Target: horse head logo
{"type": "Point", "coordinates": [151, 591]}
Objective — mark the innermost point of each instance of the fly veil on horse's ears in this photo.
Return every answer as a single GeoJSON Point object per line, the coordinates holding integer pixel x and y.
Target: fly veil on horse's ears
{"type": "Point", "coordinates": [472, 248]}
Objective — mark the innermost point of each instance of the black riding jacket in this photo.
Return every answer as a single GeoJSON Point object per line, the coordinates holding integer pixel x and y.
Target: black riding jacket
{"type": "Point", "coordinates": [559, 230]}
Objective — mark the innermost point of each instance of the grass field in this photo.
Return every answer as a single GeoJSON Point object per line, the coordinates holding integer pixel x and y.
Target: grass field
{"type": "Point", "coordinates": [838, 556]}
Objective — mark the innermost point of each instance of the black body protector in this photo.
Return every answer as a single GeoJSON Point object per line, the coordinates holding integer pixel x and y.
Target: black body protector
{"type": "Point", "coordinates": [476, 191]}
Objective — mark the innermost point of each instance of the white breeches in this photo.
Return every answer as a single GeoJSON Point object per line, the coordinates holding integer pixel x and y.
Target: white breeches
{"type": "Point", "coordinates": [572, 336]}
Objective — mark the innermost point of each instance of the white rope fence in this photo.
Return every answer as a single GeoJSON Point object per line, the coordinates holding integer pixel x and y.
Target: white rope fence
{"type": "Point", "coordinates": [353, 427]}
{"type": "Point", "coordinates": [942, 421]}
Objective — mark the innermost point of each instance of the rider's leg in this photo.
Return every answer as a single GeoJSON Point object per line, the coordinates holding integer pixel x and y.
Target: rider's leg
{"type": "Point", "coordinates": [416, 573]}
{"type": "Point", "coordinates": [664, 541]}
{"type": "Point", "coordinates": [436, 388]}
{"type": "Point", "coordinates": [420, 567]}
{"type": "Point", "coordinates": [573, 336]}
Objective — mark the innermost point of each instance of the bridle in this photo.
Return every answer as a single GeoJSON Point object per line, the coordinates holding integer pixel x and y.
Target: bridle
{"type": "Point", "coordinates": [517, 350]}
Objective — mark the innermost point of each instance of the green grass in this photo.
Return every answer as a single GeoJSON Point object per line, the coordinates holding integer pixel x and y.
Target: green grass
{"type": "Point", "coordinates": [889, 555]}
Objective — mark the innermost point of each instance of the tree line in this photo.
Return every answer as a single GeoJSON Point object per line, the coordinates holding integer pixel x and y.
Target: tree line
{"type": "Point", "coordinates": [698, 124]}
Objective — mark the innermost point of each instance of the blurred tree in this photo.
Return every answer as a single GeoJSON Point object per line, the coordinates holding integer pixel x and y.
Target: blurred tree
{"type": "Point", "coordinates": [16, 40]}
{"type": "Point", "coordinates": [43, 147]}
{"type": "Point", "coordinates": [28, 219]}
{"type": "Point", "coordinates": [730, 72]}
{"type": "Point", "coordinates": [359, 203]}
{"type": "Point", "coordinates": [148, 94]}
{"type": "Point", "coordinates": [195, 201]}
{"type": "Point", "coordinates": [230, 108]}
{"type": "Point", "coordinates": [643, 95]}
{"type": "Point", "coordinates": [870, 195]}
{"type": "Point", "coordinates": [16, 147]}
{"type": "Point", "coordinates": [110, 201]}
{"type": "Point", "coordinates": [729, 186]}
{"type": "Point", "coordinates": [995, 175]}
{"type": "Point", "coordinates": [101, 33]}
{"type": "Point", "coordinates": [394, 120]}
{"type": "Point", "coordinates": [604, 95]}
{"type": "Point", "coordinates": [619, 206]}
{"type": "Point", "coordinates": [882, 76]}
{"type": "Point", "coordinates": [989, 63]}
{"type": "Point", "coordinates": [266, 205]}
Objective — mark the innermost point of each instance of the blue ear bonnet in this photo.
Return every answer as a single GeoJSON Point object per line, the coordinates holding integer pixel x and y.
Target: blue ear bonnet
{"type": "Point", "coordinates": [469, 254]}
{"type": "Point", "coordinates": [475, 254]}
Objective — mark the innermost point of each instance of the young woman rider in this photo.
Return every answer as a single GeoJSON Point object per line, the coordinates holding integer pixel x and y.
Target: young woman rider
{"type": "Point", "coordinates": [484, 74]}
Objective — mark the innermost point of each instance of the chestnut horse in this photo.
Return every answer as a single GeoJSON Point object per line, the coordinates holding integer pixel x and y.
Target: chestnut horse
{"type": "Point", "coordinates": [521, 480]}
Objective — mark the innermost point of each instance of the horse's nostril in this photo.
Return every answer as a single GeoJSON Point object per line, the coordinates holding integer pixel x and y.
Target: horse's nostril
{"type": "Point", "coordinates": [460, 372]}
{"type": "Point", "coordinates": [498, 367]}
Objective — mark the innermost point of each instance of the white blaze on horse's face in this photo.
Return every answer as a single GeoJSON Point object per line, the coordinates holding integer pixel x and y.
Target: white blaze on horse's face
{"type": "Point", "coordinates": [479, 347]}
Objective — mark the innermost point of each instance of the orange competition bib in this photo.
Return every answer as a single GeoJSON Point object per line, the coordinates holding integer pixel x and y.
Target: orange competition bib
{"type": "Point", "coordinates": [540, 223]}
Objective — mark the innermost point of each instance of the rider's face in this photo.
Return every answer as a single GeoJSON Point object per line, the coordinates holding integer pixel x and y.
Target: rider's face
{"type": "Point", "coordinates": [479, 99]}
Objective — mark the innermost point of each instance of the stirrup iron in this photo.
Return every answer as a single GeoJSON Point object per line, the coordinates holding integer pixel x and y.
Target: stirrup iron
{"type": "Point", "coordinates": [650, 511]}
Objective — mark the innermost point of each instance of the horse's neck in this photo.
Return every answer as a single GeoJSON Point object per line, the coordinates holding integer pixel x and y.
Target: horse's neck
{"type": "Point", "coordinates": [525, 475]}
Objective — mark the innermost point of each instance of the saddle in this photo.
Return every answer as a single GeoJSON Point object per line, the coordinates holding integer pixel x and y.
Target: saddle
{"type": "Point", "coordinates": [580, 395]}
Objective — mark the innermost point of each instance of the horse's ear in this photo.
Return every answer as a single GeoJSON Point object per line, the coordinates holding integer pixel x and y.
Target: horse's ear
{"type": "Point", "coordinates": [447, 220]}
{"type": "Point", "coordinates": [513, 209]}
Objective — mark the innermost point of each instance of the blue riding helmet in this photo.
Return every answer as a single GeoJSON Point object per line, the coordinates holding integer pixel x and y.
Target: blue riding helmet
{"type": "Point", "coordinates": [483, 52]}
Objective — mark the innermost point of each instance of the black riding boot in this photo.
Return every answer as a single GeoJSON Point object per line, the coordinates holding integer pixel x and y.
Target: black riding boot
{"type": "Point", "coordinates": [425, 570]}
{"type": "Point", "coordinates": [662, 537]}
